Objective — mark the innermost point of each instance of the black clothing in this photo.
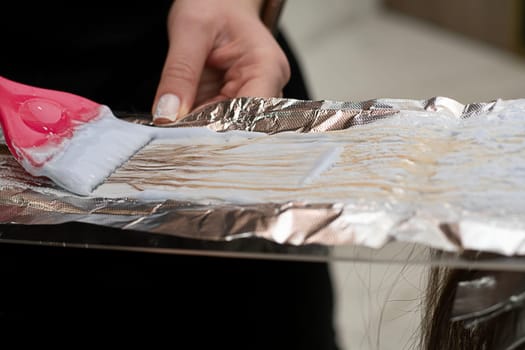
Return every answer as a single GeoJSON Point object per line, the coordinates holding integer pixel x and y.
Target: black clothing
{"type": "Point", "coordinates": [112, 52]}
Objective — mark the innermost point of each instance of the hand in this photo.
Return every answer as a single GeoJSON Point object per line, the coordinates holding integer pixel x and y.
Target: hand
{"type": "Point", "coordinates": [217, 50]}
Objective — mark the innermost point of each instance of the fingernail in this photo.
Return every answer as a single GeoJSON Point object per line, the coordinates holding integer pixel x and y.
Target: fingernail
{"type": "Point", "coordinates": [167, 109]}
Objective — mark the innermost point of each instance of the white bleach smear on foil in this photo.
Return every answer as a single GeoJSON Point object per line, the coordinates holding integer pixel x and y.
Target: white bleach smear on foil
{"type": "Point", "coordinates": [417, 176]}
{"type": "Point", "coordinates": [99, 147]}
{"type": "Point", "coordinates": [413, 160]}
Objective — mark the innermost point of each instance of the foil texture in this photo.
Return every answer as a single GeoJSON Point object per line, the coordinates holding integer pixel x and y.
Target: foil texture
{"type": "Point", "coordinates": [363, 222]}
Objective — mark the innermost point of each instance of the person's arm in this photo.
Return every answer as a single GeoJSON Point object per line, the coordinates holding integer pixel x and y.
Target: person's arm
{"type": "Point", "coordinates": [218, 50]}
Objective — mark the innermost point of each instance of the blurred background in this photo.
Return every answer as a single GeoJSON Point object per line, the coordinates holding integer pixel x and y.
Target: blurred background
{"type": "Point", "coordinates": [362, 49]}
{"type": "Point", "coordinates": [353, 50]}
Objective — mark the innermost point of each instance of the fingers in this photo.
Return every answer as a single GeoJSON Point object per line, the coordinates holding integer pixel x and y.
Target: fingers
{"type": "Point", "coordinates": [210, 85]}
{"type": "Point", "coordinates": [190, 44]}
{"type": "Point", "coordinates": [266, 77]}
{"type": "Point", "coordinates": [216, 52]}
{"type": "Point", "coordinates": [262, 86]}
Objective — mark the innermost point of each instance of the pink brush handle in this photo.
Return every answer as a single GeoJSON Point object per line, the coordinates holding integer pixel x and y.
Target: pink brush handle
{"type": "Point", "coordinates": [33, 117]}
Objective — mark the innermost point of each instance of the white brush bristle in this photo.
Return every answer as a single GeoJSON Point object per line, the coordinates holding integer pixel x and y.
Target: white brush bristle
{"type": "Point", "coordinates": [94, 152]}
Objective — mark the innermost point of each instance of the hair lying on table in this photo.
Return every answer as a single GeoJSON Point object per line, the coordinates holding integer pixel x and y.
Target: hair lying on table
{"type": "Point", "coordinates": [439, 332]}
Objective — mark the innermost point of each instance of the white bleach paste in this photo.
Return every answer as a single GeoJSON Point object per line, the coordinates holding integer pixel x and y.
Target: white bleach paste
{"type": "Point", "coordinates": [412, 160]}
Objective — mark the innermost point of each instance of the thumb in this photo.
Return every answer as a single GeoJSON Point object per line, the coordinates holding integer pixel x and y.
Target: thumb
{"type": "Point", "coordinates": [180, 77]}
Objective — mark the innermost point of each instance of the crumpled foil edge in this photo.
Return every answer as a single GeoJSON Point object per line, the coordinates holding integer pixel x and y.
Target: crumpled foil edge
{"type": "Point", "coordinates": [38, 201]}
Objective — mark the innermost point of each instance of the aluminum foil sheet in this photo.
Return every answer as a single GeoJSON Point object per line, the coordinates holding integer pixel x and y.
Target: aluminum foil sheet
{"type": "Point", "coordinates": [433, 172]}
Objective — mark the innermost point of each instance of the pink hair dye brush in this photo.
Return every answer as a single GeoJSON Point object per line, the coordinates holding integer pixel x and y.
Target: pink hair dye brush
{"type": "Point", "coordinates": [73, 141]}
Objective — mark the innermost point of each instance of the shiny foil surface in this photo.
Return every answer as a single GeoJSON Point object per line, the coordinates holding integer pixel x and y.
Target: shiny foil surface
{"type": "Point", "coordinates": [433, 172]}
